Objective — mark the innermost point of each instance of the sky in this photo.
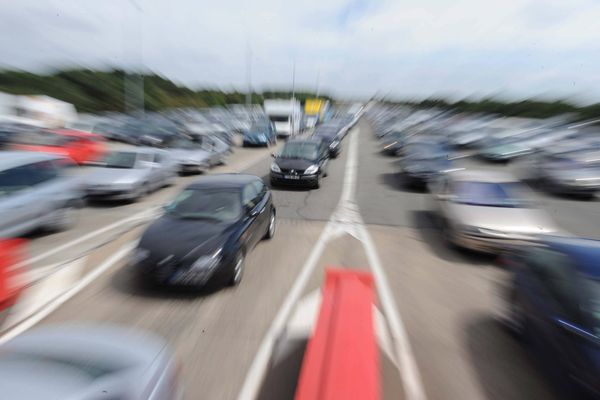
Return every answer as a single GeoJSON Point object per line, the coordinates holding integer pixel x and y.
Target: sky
{"type": "Point", "coordinates": [349, 48]}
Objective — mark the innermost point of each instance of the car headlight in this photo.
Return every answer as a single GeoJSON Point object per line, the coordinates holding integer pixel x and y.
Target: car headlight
{"type": "Point", "coordinates": [311, 169]}
{"type": "Point", "coordinates": [262, 137]}
{"type": "Point", "coordinates": [275, 167]}
{"type": "Point", "coordinates": [139, 255]}
{"type": "Point", "coordinates": [207, 262]}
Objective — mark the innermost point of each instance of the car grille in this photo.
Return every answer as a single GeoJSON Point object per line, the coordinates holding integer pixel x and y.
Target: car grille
{"type": "Point", "coordinates": [290, 171]}
{"type": "Point", "coordinates": [163, 269]}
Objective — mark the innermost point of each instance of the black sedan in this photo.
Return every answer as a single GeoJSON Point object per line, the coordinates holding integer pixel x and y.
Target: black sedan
{"type": "Point", "coordinates": [301, 162]}
{"type": "Point", "coordinates": [332, 137]}
{"type": "Point", "coordinates": [206, 232]}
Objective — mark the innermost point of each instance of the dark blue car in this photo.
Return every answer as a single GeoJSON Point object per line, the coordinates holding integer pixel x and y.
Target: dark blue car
{"type": "Point", "coordinates": [261, 133]}
{"type": "Point", "coordinates": [423, 161]}
{"type": "Point", "coordinates": [555, 308]}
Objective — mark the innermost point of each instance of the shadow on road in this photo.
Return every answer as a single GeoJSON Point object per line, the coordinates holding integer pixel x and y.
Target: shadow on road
{"type": "Point", "coordinates": [502, 365]}
{"type": "Point", "coordinates": [124, 280]}
{"type": "Point", "coordinates": [397, 181]}
{"type": "Point", "coordinates": [426, 224]}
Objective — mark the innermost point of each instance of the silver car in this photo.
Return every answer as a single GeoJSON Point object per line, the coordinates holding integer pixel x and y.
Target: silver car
{"type": "Point", "coordinates": [189, 156]}
{"type": "Point", "coordinates": [130, 174]}
{"type": "Point", "coordinates": [37, 190]}
{"type": "Point", "coordinates": [487, 210]}
{"type": "Point", "coordinates": [85, 363]}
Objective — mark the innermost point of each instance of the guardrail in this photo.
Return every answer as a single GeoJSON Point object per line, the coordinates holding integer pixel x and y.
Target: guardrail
{"type": "Point", "coordinates": [342, 358]}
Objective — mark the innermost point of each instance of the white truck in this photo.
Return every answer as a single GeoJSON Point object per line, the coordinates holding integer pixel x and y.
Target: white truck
{"type": "Point", "coordinates": [286, 115]}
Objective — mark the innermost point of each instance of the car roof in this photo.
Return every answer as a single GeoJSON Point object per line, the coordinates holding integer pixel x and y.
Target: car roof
{"type": "Point", "coordinates": [11, 159]}
{"type": "Point", "coordinates": [223, 181]}
{"type": "Point", "coordinates": [584, 252]}
{"type": "Point", "coordinates": [482, 176]}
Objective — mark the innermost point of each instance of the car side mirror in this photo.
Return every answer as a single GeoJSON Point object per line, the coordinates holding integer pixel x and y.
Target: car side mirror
{"type": "Point", "coordinates": [251, 211]}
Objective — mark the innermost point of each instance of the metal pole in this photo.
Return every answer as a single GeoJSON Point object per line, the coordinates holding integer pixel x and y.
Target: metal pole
{"type": "Point", "coordinates": [294, 80]}
{"type": "Point", "coordinates": [134, 81]}
{"type": "Point", "coordinates": [318, 88]}
{"type": "Point", "coordinates": [249, 75]}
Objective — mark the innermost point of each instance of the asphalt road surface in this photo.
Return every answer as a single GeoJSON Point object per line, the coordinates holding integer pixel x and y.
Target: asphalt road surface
{"type": "Point", "coordinates": [443, 307]}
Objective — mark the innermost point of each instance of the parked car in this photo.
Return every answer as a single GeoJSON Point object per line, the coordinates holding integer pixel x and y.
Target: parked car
{"type": "Point", "coordinates": [130, 174]}
{"type": "Point", "coordinates": [392, 143]}
{"type": "Point", "coordinates": [506, 149]}
{"type": "Point", "coordinates": [189, 156]}
{"type": "Point", "coordinates": [331, 136]}
{"type": "Point", "coordinates": [261, 133]}
{"type": "Point", "coordinates": [83, 362]}
{"type": "Point", "coordinates": [36, 191]}
{"type": "Point", "coordinates": [301, 162]}
{"type": "Point", "coordinates": [423, 161]}
{"type": "Point", "coordinates": [570, 172]}
{"type": "Point", "coordinates": [487, 210]}
{"type": "Point", "coordinates": [206, 232]}
{"type": "Point", "coordinates": [80, 146]}
{"type": "Point", "coordinates": [216, 146]}
{"type": "Point", "coordinates": [554, 306]}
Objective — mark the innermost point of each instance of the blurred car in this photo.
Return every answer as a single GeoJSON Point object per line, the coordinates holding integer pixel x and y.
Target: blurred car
{"type": "Point", "coordinates": [392, 143]}
{"type": "Point", "coordinates": [80, 146]}
{"type": "Point", "coordinates": [468, 138]}
{"type": "Point", "coordinates": [331, 136]}
{"type": "Point", "coordinates": [81, 362]}
{"type": "Point", "coordinates": [189, 155]}
{"type": "Point", "coordinates": [216, 146]}
{"type": "Point", "coordinates": [130, 174]}
{"type": "Point", "coordinates": [487, 210]}
{"type": "Point", "coordinates": [207, 231]}
{"type": "Point", "coordinates": [570, 172]}
{"type": "Point", "coordinates": [36, 191]}
{"type": "Point", "coordinates": [260, 134]}
{"type": "Point", "coordinates": [554, 305]}
{"type": "Point", "coordinates": [301, 162]}
{"type": "Point", "coordinates": [506, 149]}
{"type": "Point", "coordinates": [422, 161]}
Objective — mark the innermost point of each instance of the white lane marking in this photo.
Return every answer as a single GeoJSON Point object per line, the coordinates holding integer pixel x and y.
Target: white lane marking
{"type": "Point", "coordinates": [345, 219]}
{"type": "Point", "coordinates": [31, 320]}
{"type": "Point", "coordinates": [88, 236]}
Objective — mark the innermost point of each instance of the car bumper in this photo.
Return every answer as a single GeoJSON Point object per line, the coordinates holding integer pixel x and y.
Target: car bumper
{"type": "Point", "coordinates": [110, 194]}
{"type": "Point", "coordinates": [192, 168]}
{"type": "Point", "coordinates": [255, 142]}
{"type": "Point", "coordinates": [176, 275]}
{"type": "Point", "coordinates": [490, 244]}
{"type": "Point", "coordinates": [302, 180]}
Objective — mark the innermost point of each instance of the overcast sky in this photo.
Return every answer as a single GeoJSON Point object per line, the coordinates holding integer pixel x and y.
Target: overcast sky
{"type": "Point", "coordinates": [404, 48]}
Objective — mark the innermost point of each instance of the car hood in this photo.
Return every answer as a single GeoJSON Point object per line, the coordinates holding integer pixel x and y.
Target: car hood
{"type": "Point", "coordinates": [505, 219]}
{"type": "Point", "coordinates": [108, 176]}
{"type": "Point", "coordinates": [185, 154]}
{"type": "Point", "coordinates": [294, 163]}
{"type": "Point", "coordinates": [178, 237]}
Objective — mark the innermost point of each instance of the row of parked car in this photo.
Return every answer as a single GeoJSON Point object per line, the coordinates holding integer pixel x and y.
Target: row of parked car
{"type": "Point", "coordinates": [553, 294]}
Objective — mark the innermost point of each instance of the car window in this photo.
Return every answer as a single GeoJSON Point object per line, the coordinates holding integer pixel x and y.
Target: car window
{"type": "Point", "coordinates": [249, 195]}
{"type": "Point", "coordinates": [19, 178]}
{"type": "Point", "coordinates": [261, 190]}
{"type": "Point", "coordinates": [557, 275]}
{"type": "Point", "coordinates": [145, 157]}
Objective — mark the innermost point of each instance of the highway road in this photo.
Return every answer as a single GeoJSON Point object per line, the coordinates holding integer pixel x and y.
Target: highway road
{"type": "Point", "coordinates": [442, 307]}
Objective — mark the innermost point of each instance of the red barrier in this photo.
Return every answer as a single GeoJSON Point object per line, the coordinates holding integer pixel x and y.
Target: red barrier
{"type": "Point", "coordinates": [342, 359]}
{"type": "Point", "coordinates": [11, 285]}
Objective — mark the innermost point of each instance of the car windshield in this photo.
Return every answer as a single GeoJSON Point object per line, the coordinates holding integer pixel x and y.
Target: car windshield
{"type": "Point", "coordinates": [120, 159]}
{"type": "Point", "coordinates": [490, 194]}
{"type": "Point", "coordinates": [302, 150]}
{"type": "Point", "coordinates": [216, 204]}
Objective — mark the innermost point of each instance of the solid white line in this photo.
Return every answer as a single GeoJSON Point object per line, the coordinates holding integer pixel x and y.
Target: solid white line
{"type": "Point", "coordinates": [43, 312]}
{"type": "Point", "coordinates": [83, 238]}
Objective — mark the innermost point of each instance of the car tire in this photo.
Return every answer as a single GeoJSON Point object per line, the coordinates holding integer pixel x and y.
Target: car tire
{"type": "Point", "coordinates": [65, 218]}
{"type": "Point", "coordinates": [237, 272]}
{"type": "Point", "coordinates": [272, 226]}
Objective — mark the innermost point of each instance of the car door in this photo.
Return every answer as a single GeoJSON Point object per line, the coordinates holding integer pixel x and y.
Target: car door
{"type": "Point", "coordinates": [18, 208]}
{"type": "Point", "coordinates": [552, 303]}
{"type": "Point", "coordinates": [49, 192]}
{"type": "Point", "coordinates": [161, 173]}
{"type": "Point", "coordinates": [150, 173]}
{"type": "Point", "coordinates": [252, 214]}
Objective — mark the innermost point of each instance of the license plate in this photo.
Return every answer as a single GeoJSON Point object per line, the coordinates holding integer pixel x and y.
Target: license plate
{"type": "Point", "coordinates": [292, 177]}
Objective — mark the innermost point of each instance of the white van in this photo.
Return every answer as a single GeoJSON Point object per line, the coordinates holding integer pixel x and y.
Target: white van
{"type": "Point", "coordinates": [286, 115]}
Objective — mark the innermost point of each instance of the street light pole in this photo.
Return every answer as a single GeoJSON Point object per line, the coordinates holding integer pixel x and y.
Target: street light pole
{"type": "Point", "coordinates": [134, 81]}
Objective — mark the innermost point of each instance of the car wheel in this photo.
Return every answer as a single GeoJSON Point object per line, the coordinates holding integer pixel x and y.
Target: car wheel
{"type": "Point", "coordinates": [238, 270]}
{"type": "Point", "coordinates": [317, 182]}
{"type": "Point", "coordinates": [64, 218]}
{"type": "Point", "coordinates": [272, 226]}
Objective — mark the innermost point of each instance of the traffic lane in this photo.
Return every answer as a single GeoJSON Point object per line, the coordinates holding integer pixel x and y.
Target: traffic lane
{"type": "Point", "coordinates": [215, 333]}
{"type": "Point", "coordinates": [452, 307]}
{"type": "Point", "coordinates": [449, 300]}
{"type": "Point", "coordinates": [101, 214]}
{"type": "Point", "coordinates": [382, 193]}
{"type": "Point", "coordinates": [302, 202]}
{"type": "Point", "coordinates": [575, 215]}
